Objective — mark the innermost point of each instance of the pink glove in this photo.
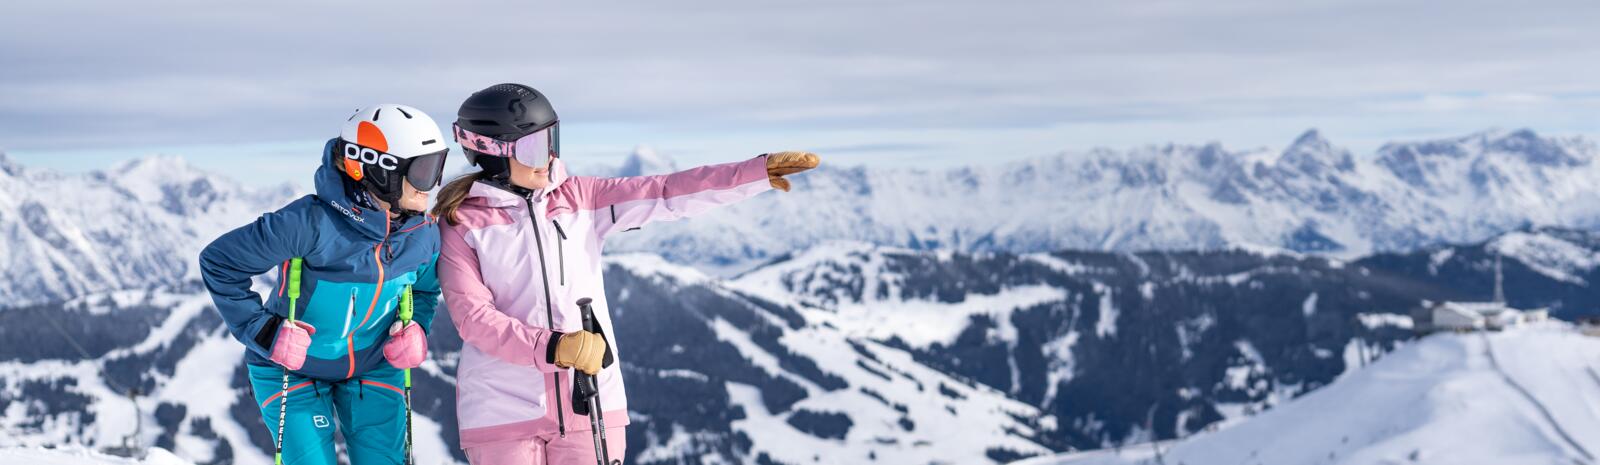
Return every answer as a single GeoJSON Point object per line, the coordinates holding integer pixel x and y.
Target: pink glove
{"type": "Point", "coordinates": [407, 346]}
{"type": "Point", "coordinates": [289, 346]}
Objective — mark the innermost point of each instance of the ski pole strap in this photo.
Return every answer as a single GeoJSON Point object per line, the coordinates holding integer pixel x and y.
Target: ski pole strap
{"type": "Point", "coordinates": [294, 285]}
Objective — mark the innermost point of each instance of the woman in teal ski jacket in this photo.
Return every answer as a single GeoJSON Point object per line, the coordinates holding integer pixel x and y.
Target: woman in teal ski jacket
{"type": "Point", "coordinates": [363, 242]}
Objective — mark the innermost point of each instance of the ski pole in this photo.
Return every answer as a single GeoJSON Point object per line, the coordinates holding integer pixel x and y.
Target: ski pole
{"type": "Point", "coordinates": [283, 404]}
{"type": "Point", "coordinates": [588, 386]}
{"type": "Point", "coordinates": [405, 318]}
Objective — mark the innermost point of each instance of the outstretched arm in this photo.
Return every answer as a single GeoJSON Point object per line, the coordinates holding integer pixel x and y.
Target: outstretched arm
{"type": "Point", "coordinates": [626, 203]}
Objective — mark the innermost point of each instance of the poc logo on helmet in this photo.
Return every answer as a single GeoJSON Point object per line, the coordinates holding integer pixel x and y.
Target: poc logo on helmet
{"type": "Point", "coordinates": [371, 157]}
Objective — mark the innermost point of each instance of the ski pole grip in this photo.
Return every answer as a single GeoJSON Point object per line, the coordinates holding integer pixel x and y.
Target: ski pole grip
{"type": "Point", "coordinates": [294, 284]}
{"type": "Point", "coordinates": [405, 305]}
{"type": "Point", "coordinates": [294, 277]}
{"type": "Point", "coordinates": [404, 313]}
{"type": "Point", "coordinates": [585, 386]}
{"type": "Point", "coordinates": [584, 306]}
{"type": "Point", "coordinates": [592, 325]}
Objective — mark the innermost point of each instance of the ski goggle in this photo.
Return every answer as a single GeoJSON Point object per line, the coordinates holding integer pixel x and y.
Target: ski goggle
{"type": "Point", "coordinates": [424, 172]}
{"type": "Point", "coordinates": [535, 149]}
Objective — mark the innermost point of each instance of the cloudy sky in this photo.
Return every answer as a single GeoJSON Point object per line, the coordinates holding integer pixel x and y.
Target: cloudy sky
{"type": "Point", "coordinates": [255, 87]}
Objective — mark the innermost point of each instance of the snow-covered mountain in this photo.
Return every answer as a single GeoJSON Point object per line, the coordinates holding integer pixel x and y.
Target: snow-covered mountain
{"type": "Point", "coordinates": [1522, 396]}
{"type": "Point", "coordinates": [846, 352]}
{"type": "Point", "coordinates": [1124, 347]}
{"type": "Point", "coordinates": [645, 161]}
{"type": "Point", "coordinates": [134, 225]}
{"type": "Point", "coordinates": [139, 223]}
{"type": "Point", "coordinates": [1312, 196]}
{"type": "Point", "coordinates": [715, 376]}
{"type": "Point", "coordinates": [80, 456]}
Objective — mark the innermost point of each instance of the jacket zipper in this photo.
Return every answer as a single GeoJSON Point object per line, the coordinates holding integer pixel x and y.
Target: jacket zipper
{"type": "Point", "coordinates": [349, 312]}
{"type": "Point", "coordinates": [549, 309]}
{"type": "Point", "coordinates": [561, 254]}
{"type": "Point", "coordinates": [377, 257]}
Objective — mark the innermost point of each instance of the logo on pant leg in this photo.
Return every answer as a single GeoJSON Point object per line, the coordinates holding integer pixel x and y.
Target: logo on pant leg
{"type": "Point", "coordinates": [320, 421]}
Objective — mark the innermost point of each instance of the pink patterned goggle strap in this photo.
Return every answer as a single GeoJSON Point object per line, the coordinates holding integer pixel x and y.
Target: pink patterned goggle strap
{"type": "Point", "coordinates": [484, 144]}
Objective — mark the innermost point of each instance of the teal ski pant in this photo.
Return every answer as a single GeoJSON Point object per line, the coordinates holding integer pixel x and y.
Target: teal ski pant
{"type": "Point", "coordinates": [369, 410]}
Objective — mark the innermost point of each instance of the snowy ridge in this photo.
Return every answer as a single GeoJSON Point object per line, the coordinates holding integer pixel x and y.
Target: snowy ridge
{"type": "Point", "coordinates": [766, 382]}
{"type": "Point", "coordinates": [185, 364]}
{"type": "Point", "coordinates": [897, 409]}
{"type": "Point", "coordinates": [1312, 196]}
{"type": "Point", "coordinates": [847, 284]}
{"type": "Point", "coordinates": [1228, 333]}
{"type": "Point", "coordinates": [1522, 396]}
{"type": "Point", "coordinates": [1552, 256]}
{"type": "Point", "coordinates": [78, 456]}
{"type": "Point", "coordinates": [858, 351]}
{"type": "Point", "coordinates": [136, 225]}
{"type": "Point", "coordinates": [645, 161]}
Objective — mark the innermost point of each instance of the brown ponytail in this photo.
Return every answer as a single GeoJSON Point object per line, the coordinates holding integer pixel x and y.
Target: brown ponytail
{"type": "Point", "coordinates": [452, 194]}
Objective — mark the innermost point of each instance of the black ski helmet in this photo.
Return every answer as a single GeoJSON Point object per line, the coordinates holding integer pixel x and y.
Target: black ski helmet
{"type": "Point", "coordinates": [505, 112]}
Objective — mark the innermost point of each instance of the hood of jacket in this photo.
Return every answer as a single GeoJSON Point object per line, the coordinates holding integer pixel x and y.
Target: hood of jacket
{"type": "Point", "coordinates": [339, 192]}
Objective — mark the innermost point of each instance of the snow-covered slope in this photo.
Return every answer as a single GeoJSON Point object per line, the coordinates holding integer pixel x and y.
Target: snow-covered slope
{"type": "Point", "coordinates": [843, 353]}
{"type": "Point", "coordinates": [818, 395]}
{"type": "Point", "coordinates": [715, 376]}
{"type": "Point", "coordinates": [78, 456]}
{"type": "Point", "coordinates": [1218, 335]}
{"type": "Point", "coordinates": [1121, 348]}
{"type": "Point", "coordinates": [168, 346]}
{"type": "Point", "coordinates": [1312, 196]}
{"type": "Point", "coordinates": [134, 225]}
{"type": "Point", "coordinates": [1530, 395]}
{"type": "Point", "coordinates": [861, 350]}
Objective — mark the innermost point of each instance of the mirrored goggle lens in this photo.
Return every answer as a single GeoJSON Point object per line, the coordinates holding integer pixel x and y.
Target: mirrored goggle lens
{"type": "Point", "coordinates": [536, 150]}
{"type": "Point", "coordinates": [425, 172]}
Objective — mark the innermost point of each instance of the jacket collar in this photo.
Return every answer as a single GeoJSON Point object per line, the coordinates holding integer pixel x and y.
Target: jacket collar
{"type": "Point", "coordinates": [497, 196]}
{"type": "Point", "coordinates": [339, 192]}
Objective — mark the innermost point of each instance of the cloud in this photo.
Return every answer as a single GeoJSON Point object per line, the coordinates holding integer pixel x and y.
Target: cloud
{"type": "Point", "coordinates": [719, 73]}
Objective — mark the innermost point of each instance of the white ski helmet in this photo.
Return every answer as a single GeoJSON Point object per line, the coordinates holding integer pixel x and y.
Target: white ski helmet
{"type": "Point", "coordinates": [383, 144]}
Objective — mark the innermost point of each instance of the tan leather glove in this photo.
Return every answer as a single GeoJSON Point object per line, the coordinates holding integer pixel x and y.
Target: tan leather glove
{"type": "Point", "coordinates": [582, 350]}
{"type": "Point", "coordinates": [782, 164]}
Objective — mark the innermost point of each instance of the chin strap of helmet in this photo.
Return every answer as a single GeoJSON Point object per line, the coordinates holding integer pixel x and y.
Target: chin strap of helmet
{"type": "Point", "coordinates": [498, 174]}
{"type": "Point", "coordinates": [401, 214]}
{"type": "Point", "coordinates": [365, 198]}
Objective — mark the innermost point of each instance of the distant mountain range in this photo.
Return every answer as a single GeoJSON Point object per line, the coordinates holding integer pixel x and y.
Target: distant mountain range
{"type": "Point", "coordinates": [139, 223]}
{"type": "Point", "coordinates": [1312, 196]}
{"type": "Point", "coordinates": [785, 345]}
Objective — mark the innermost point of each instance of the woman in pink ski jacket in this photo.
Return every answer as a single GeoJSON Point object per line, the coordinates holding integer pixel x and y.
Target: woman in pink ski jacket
{"type": "Point", "coordinates": [521, 243]}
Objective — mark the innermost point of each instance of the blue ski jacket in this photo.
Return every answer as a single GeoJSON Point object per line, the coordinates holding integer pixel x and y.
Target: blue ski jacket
{"type": "Point", "coordinates": [357, 262]}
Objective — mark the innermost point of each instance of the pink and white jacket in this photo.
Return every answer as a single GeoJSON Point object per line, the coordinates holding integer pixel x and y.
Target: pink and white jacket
{"type": "Point", "coordinates": [513, 264]}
